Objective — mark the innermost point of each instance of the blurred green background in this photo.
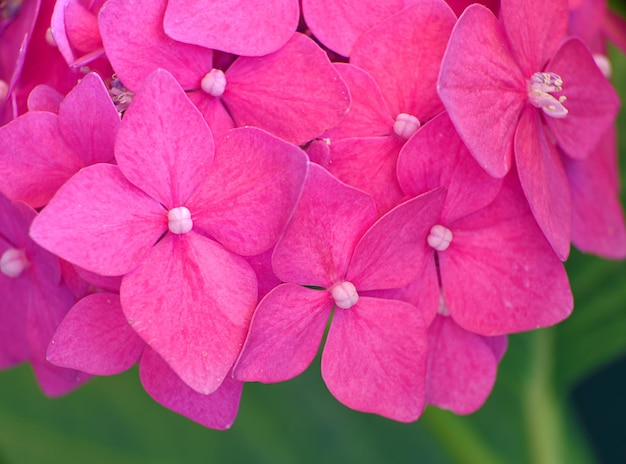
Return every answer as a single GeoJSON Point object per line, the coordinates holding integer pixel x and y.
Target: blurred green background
{"type": "Point", "coordinates": [560, 397]}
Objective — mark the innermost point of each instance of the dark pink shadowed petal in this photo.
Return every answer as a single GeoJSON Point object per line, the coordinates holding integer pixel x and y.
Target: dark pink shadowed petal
{"type": "Point", "coordinates": [374, 359]}
{"type": "Point", "coordinates": [88, 120]}
{"type": "Point", "coordinates": [368, 115]}
{"type": "Point", "coordinates": [326, 225]}
{"type": "Point", "coordinates": [95, 337]}
{"type": "Point", "coordinates": [214, 113]}
{"type": "Point", "coordinates": [544, 182]}
{"type": "Point", "coordinates": [191, 301]}
{"type": "Point", "coordinates": [499, 274]}
{"type": "Point", "coordinates": [164, 131]}
{"type": "Point", "coordinates": [461, 367]}
{"type": "Point", "coordinates": [57, 381]}
{"type": "Point", "coordinates": [294, 93]}
{"type": "Point", "coordinates": [248, 27]}
{"type": "Point", "coordinates": [369, 164]}
{"type": "Point", "coordinates": [403, 54]}
{"type": "Point", "coordinates": [109, 284]}
{"type": "Point", "coordinates": [285, 334]}
{"type": "Point", "coordinates": [216, 411]}
{"type": "Point", "coordinates": [391, 253]}
{"type": "Point", "coordinates": [44, 98]}
{"type": "Point", "coordinates": [262, 265]}
{"type": "Point", "coordinates": [592, 102]}
{"type": "Point", "coordinates": [436, 156]}
{"type": "Point", "coordinates": [136, 51]}
{"type": "Point", "coordinates": [339, 23]}
{"type": "Point", "coordinates": [251, 190]}
{"type": "Point", "coordinates": [101, 222]}
{"type": "Point", "coordinates": [534, 42]}
{"type": "Point", "coordinates": [483, 89]}
{"type": "Point", "coordinates": [614, 30]}
{"type": "Point", "coordinates": [81, 26]}
{"type": "Point", "coordinates": [598, 218]}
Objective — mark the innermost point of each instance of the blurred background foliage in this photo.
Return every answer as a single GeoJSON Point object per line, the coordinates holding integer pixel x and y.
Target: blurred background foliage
{"type": "Point", "coordinates": [560, 397]}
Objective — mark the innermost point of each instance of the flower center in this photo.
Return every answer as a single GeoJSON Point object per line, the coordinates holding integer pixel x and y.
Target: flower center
{"type": "Point", "coordinates": [439, 237]}
{"type": "Point", "coordinates": [442, 309]}
{"type": "Point", "coordinates": [179, 220]}
{"type": "Point", "coordinates": [406, 125]}
{"type": "Point", "coordinates": [540, 88]}
{"type": "Point", "coordinates": [13, 262]}
{"type": "Point", "coordinates": [121, 96]}
{"type": "Point", "coordinates": [214, 83]}
{"type": "Point", "coordinates": [344, 294]}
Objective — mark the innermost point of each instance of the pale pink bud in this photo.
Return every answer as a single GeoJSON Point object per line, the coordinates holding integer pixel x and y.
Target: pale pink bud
{"type": "Point", "coordinates": [179, 220]}
{"type": "Point", "coordinates": [406, 125]}
{"type": "Point", "coordinates": [602, 62]}
{"type": "Point", "coordinates": [4, 90]}
{"type": "Point", "coordinates": [439, 237]}
{"type": "Point", "coordinates": [13, 262]}
{"type": "Point", "coordinates": [214, 83]}
{"type": "Point", "coordinates": [344, 294]}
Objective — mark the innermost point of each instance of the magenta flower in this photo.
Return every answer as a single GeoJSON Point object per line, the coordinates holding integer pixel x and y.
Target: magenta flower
{"type": "Point", "coordinates": [174, 220]}
{"type": "Point", "coordinates": [513, 86]}
{"type": "Point", "coordinates": [374, 358]}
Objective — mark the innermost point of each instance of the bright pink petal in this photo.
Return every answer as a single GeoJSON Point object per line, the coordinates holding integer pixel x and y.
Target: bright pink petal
{"type": "Point", "coordinates": [436, 157]}
{"type": "Point", "coordinates": [544, 182]}
{"type": "Point", "coordinates": [294, 93]}
{"type": "Point", "coordinates": [96, 338]}
{"type": "Point", "coordinates": [252, 188]}
{"type": "Point", "coordinates": [216, 411]}
{"type": "Point", "coordinates": [164, 145]}
{"type": "Point", "coordinates": [81, 26]}
{"type": "Point", "coordinates": [598, 218]}
{"type": "Point", "coordinates": [44, 98]}
{"type": "Point", "coordinates": [534, 42]}
{"type": "Point", "coordinates": [369, 164]}
{"type": "Point", "coordinates": [88, 120]}
{"type": "Point", "coordinates": [592, 103]}
{"type": "Point", "coordinates": [339, 23]}
{"type": "Point", "coordinates": [214, 113]}
{"type": "Point", "coordinates": [35, 160]}
{"type": "Point", "coordinates": [326, 225]}
{"type": "Point", "coordinates": [249, 27]}
{"type": "Point", "coordinates": [101, 222]}
{"type": "Point", "coordinates": [614, 29]}
{"type": "Point", "coordinates": [499, 274]}
{"type": "Point", "coordinates": [191, 301]}
{"type": "Point", "coordinates": [375, 358]}
{"type": "Point", "coordinates": [391, 253]}
{"type": "Point", "coordinates": [461, 367]}
{"type": "Point", "coordinates": [483, 89]}
{"type": "Point", "coordinates": [285, 334]}
{"type": "Point", "coordinates": [136, 51]}
{"type": "Point", "coordinates": [403, 54]}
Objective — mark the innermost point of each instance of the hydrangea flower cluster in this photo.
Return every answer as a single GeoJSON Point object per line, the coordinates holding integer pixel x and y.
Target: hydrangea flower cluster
{"type": "Point", "coordinates": [220, 189]}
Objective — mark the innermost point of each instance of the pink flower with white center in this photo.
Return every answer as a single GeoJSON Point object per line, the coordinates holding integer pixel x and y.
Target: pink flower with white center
{"type": "Point", "coordinates": [514, 88]}
{"type": "Point", "coordinates": [175, 219]}
{"type": "Point", "coordinates": [332, 256]}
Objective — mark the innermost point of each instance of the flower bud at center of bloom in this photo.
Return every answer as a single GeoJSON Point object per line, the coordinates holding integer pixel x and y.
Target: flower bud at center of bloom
{"type": "Point", "coordinates": [442, 309]}
{"type": "Point", "coordinates": [4, 90]}
{"type": "Point", "coordinates": [439, 237]}
{"type": "Point", "coordinates": [179, 220]}
{"type": "Point", "coordinates": [406, 125]}
{"type": "Point", "coordinates": [214, 83]}
{"type": "Point", "coordinates": [13, 262]}
{"type": "Point", "coordinates": [540, 87]}
{"type": "Point", "coordinates": [344, 294]}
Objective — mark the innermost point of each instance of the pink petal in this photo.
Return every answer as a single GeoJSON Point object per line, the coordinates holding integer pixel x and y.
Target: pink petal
{"type": "Point", "coordinates": [544, 182]}
{"type": "Point", "coordinates": [57, 381]}
{"type": "Point", "coordinates": [164, 145]}
{"type": "Point", "coordinates": [403, 54]}
{"type": "Point", "coordinates": [216, 411]}
{"type": "Point", "coordinates": [375, 358]}
{"type": "Point", "coordinates": [391, 253]}
{"type": "Point", "coordinates": [262, 265]}
{"type": "Point", "coordinates": [461, 368]}
{"type": "Point", "coordinates": [136, 51]}
{"type": "Point", "coordinates": [35, 160]}
{"type": "Point", "coordinates": [44, 98]}
{"type": "Point", "coordinates": [101, 222]}
{"type": "Point", "coordinates": [592, 103]}
{"type": "Point", "coordinates": [534, 42]}
{"type": "Point", "coordinates": [369, 164]}
{"type": "Point", "coordinates": [249, 27]}
{"type": "Point", "coordinates": [483, 89]}
{"type": "Point", "coordinates": [294, 93]}
{"type": "Point", "coordinates": [427, 162]}
{"type": "Point", "coordinates": [109, 284]}
{"type": "Point", "coordinates": [214, 113]}
{"type": "Point", "coordinates": [285, 334]}
{"type": "Point", "coordinates": [88, 120]}
{"type": "Point", "coordinates": [499, 274]}
{"type": "Point", "coordinates": [95, 337]}
{"type": "Point", "coordinates": [325, 227]}
{"type": "Point", "coordinates": [191, 301]}
{"type": "Point", "coordinates": [614, 27]}
{"type": "Point", "coordinates": [81, 26]}
{"type": "Point", "coordinates": [339, 23]}
{"type": "Point", "coordinates": [252, 188]}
